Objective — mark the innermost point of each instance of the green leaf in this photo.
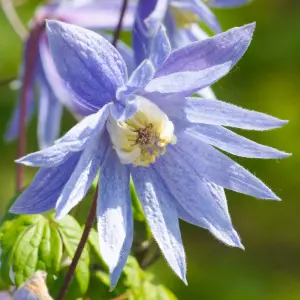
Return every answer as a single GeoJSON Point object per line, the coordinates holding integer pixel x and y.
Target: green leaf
{"type": "Point", "coordinates": [29, 243]}
{"type": "Point", "coordinates": [39, 247]}
{"type": "Point", "coordinates": [10, 233]}
{"type": "Point", "coordinates": [70, 232]}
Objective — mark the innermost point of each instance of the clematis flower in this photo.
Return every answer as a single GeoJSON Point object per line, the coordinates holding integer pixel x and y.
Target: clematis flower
{"type": "Point", "coordinates": [51, 92]}
{"type": "Point", "coordinates": [180, 17]}
{"type": "Point", "coordinates": [150, 128]}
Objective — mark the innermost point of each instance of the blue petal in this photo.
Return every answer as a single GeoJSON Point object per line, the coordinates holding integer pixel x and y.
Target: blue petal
{"type": "Point", "coordinates": [185, 83]}
{"type": "Point", "coordinates": [50, 113]}
{"type": "Point", "coordinates": [193, 195]}
{"type": "Point", "coordinates": [216, 167]}
{"type": "Point", "coordinates": [162, 218]}
{"type": "Point", "coordinates": [80, 108]}
{"type": "Point", "coordinates": [227, 3]}
{"type": "Point", "coordinates": [143, 34]}
{"type": "Point", "coordinates": [214, 112]}
{"type": "Point", "coordinates": [233, 143]}
{"type": "Point", "coordinates": [125, 51]}
{"type": "Point", "coordinates": [83, 176]}
{"type": "Point", "coordinates": [155, 19]}
{"type": "Point", "coordinates": [45, 189]}
{"type": "Point", "coordinates": [229, 237]}
{"type": "Point", "coordinates": [90, 66]}
{"type": "Point", "coordinates": [160, 48]}
{"type": "Point", "coordinates": [114, 214]}
{"type": "Point", "coordinates": [127, 54]}
{"type": "Point", "coordinates": [137, 81]}
{"type": "Point", "coordinates": [97, 15]}
{"type": "Point", "coordinates": [86, 129]}
{"type": "Point", "coordinates": [48, 157]}
{"type": "Point", "coordinates": [201, 10]}
{"type": "Point", "coordinates": [123, 110]}
{"type": "Point", "coordinates": [222, 48]}
{"type": "Point", "coordinates": [76, 139]}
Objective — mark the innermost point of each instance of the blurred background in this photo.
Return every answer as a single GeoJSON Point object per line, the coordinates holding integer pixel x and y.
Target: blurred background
{"type": "Point", "coordinates": [267, 79]}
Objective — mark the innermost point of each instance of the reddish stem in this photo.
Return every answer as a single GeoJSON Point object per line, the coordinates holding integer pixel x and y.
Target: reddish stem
{"type": "Point", "coordinates": [82, 242]}
{"type": "Point", "coordinates": [29, 65]}
{"type": "Point", "coordinates": [119, 26]}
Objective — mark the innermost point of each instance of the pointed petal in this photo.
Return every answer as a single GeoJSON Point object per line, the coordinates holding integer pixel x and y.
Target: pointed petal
{"type": "Point", "coordinates": [191, 192]}
{"type": "Point", "coordinates": [76, 139]}
{"type": "Point", "coordinates": [114, 214]}
{"type": "Point", "coordinates": [227, 47]}
{"type": "Point", "coordinates": [160, 48]}
{"type": "Point", "coordinates": [137, 81]}
{"type": "Point", "coordinates": [83, 176]}
{"type": "Point", "coordinates": [45, 189]}
{"type": "Point", "coordinates": [90, 66]}
{"type": "Point", "coordinates": [182, 84]}
{"type": "Point", "coordinates": [143, 33]}
{"type": "Point", "coordinates": [201, 10]}
{"type": "Point", "coordinates": [215, 112]}
{"type": "Point", "coordinates": [233, 143]}
{"type": "Point", "coordinates": [161, 216]}
{"type": "Point", "coordinates": [155, 19]}
{"type": "Point", "coordinates": [216, 167]}
{"type": "Point", "coordinates": [86, 129]}
{"type": "Point", "coordinates": [48, 157]}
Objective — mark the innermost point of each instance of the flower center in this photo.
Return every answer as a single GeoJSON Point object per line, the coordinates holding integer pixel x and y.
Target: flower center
{"type": "Point", "coordinates": [144, 136]}
{"type": "Point", "coordinates": [184, 19]}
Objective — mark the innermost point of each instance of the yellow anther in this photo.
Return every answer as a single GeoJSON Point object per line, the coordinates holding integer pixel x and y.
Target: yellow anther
{"type": "Point", "coordinates": [183, 18]}
{"type": "Point", "coordinates": [142, 138]}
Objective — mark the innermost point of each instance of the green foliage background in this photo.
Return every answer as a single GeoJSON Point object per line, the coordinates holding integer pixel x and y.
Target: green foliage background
{"type": "Point", "coordinates": [267, 79]}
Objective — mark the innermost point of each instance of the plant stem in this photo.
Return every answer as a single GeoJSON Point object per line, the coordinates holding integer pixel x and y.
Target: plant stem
{"type": "Point", "coordinates": [29, 65]}
{"type": "Point", "coordinates": [119, 27]}
{"type": "Point", "coordinates": [81, 245]}
{"type": "Point", "coordinates": [92, 214]}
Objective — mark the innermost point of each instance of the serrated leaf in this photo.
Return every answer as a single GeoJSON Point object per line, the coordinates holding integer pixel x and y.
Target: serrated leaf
{"type": "Point", "coordinates": [29, 243]}
{"type": "Point", "coordinates": [71, 232]}
{"type": "Point", "coordinates": [9, 234]}
{"type": "Point", "coordinates": [39, 247]}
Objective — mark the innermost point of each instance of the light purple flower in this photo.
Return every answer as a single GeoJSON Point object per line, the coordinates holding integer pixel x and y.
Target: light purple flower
{"type": "Point", "coordinates": [150, 128]}
{"type": "Point", "coordinates": [181, 19]}
{"type": "Point", "coordinates": [52, 94]}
